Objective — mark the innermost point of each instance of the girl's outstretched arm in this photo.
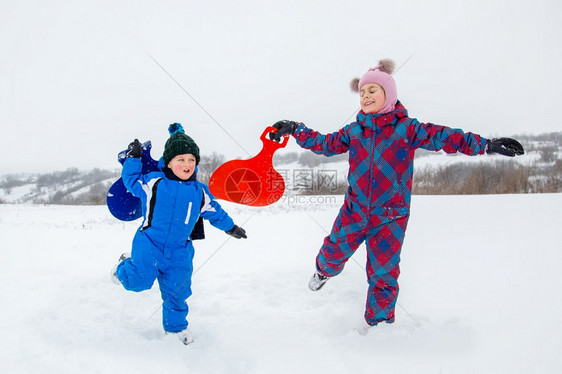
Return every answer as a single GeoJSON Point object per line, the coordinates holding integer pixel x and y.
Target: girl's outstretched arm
{"type": "Point", "coordinates": [435, 137]}
{"type": "Point", "coordinates": [327, 145]}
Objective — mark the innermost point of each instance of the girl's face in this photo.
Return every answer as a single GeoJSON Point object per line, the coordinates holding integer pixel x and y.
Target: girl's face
{"type": "Point", "coordinates": [183, 166]}
{"type": "Point", "coordinates": [372, 97]}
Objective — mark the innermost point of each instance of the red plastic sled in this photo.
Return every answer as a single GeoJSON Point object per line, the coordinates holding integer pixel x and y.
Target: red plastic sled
{"type": "Point", "coordinates": [251, 182]}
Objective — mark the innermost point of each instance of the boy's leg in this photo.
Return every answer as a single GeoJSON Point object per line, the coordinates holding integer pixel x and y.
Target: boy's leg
{"type": "Point", "coordinates": [138, 272]}
{"type": "Point", "coordinates": [348, 232]}
{"type": "Point", "coordinates": [384, 244]}
{"type": "Point", "coordinates": [175, 287]}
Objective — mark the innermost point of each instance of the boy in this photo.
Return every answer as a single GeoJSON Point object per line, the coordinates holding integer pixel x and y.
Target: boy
{"type": "Point", "coordinates": [173, 204]}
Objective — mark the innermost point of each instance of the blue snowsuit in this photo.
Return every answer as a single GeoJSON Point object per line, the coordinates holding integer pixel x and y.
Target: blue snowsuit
{"type": "Point", "coordinates": [162, 247]}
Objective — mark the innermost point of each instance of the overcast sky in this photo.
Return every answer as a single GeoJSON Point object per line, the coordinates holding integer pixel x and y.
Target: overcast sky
{"type": "Point", "coordinates": [81, 79]}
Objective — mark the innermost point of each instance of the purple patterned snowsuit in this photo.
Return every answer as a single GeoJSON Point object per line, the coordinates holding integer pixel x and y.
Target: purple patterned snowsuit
{"type": "Point", "coordinates": [377, 203]}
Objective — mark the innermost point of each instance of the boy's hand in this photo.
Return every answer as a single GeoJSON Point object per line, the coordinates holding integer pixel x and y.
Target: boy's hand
{"type": "Point", "coordinates": [283, 127]}
{"type": "Point", "coordinates": [505, 146]}
{"type": "Point", "coordinates": [237, 232]}
{"type": "Point", "coordinates": [135, 149]}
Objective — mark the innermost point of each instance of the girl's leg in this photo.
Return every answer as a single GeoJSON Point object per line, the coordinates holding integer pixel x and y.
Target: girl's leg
{"type": "Point", "coordinates": [348, 232]}
{"type": "Point", "coordinates": [384, 244]}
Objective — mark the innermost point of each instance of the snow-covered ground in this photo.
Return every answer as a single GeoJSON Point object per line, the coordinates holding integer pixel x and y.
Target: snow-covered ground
{"type": "Point", "coordinates": [479, 285]}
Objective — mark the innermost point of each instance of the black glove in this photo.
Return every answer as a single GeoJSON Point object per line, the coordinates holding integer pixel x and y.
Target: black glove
{"type": "Point", "coordinates": [283, 127]}
{"type": "Point", "coordinates": [505, 146]}
{"type": "Point", "coordinates": [237, 232]}
{"type": "Point", "coordinates": [135, 149]}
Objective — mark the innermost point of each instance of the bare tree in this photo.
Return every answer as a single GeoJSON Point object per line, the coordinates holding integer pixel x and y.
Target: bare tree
{"type": "Point", "coordinates": [208, 165]}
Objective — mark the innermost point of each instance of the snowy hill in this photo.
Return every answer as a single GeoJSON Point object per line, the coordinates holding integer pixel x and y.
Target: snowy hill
{"type": "Point", "coordinates": [540, 151]}
{"type": "Point", "coordinates": [69, 187]}
{"type": "Point", "coordinates": [304, 173]}
{"type": "Point", "coordinates": [480, 275]}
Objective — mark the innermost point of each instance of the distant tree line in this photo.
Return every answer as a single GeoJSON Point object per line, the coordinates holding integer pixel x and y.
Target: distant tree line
{"type": "Point", "coordinates": [307, 159]}
{"type": "Point", "coordinates": [500, 177]}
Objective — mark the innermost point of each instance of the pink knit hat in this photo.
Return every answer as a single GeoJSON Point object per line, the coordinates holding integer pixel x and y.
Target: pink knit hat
{"type": "Point", "coordinates": [381, 75]}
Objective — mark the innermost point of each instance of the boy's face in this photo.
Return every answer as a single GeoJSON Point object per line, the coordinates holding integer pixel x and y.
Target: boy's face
{"type": "Point", "coordinates": [372, 97]}
{"type": "Point", "coordinates": [183, 166]}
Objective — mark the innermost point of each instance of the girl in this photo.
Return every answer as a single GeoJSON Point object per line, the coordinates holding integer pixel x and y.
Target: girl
{"type": "Point", "coordinates": [381, 144]}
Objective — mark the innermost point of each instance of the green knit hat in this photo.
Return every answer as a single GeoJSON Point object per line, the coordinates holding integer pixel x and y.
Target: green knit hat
{"type": "Point", "coordinates": [179, 143]}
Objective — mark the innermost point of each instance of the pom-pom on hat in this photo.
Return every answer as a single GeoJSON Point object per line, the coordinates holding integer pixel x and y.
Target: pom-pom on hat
{"type": "Point", "coordinates": [179, 143]}
{"type": "Point", "coordinates": [381, 75]}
